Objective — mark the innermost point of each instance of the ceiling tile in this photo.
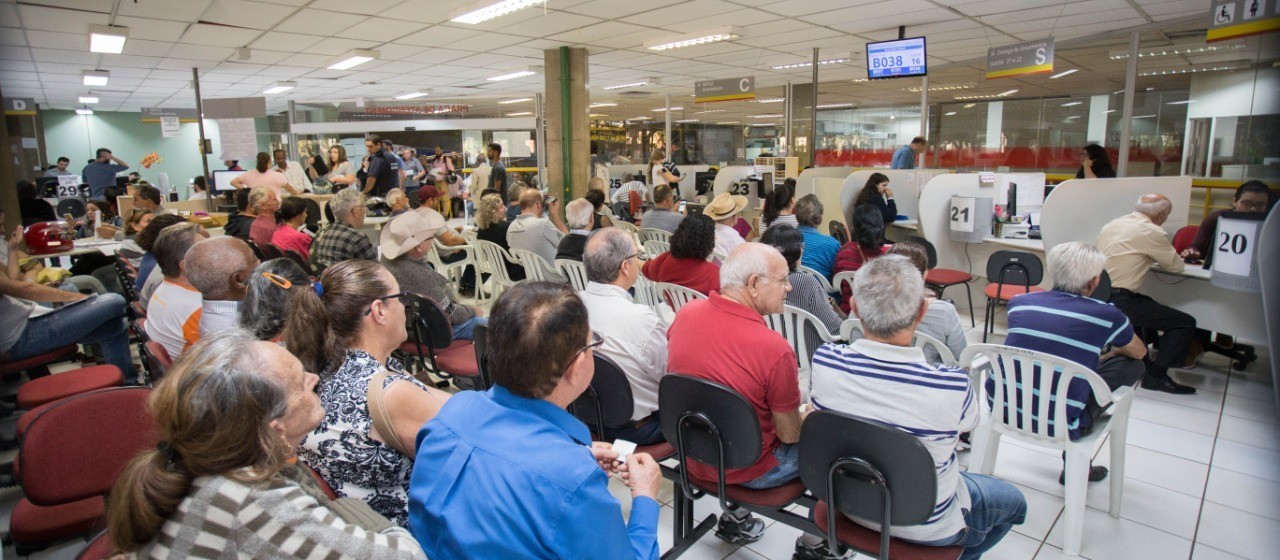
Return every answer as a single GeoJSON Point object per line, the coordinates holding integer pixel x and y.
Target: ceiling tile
{"type": "Point", "coordinates": [59, 19]}
{"type": "Point", "coordinates": [219, 35]}
{"type": "Point", "coordinates": [130, 61]}
{"type": "Point", "coordinates": [64, 56]}
{"type": "Point", "coordinates": [598, 31]}
{"type": "Point", "coordinates": [183, 10]}
{"type": "Point", "coordinates": [240, 13]}
{"type": "Point", "coordinates": [51, 40]}
{"type": "Point", "coordinates": [143, 47]}
{"type": "Point", "coordinates": [381, 29]}
{"type": "Point", "coordinates": [613, 9]}
{"type": "Point", "coordinates": [15, 53]}
{"type": "Point", "coordinates": [200, 52]}
{"type": "Point", "coordinates": [318, 22]}
{"type": "Point", "coordinates": [438, 36]}
{"type": "Point", "coordinates": [8, 16]}
{"type": "Point", "coordinates": [538, 24]}
{"type": "Point", "coordinates": [279, 41]}
{"type": "Point", "coordinates": [334, 46]}
{"type": "Point", "coordinates": [153, 29]}
{"type": "Point", "coordinates": [367, 7]}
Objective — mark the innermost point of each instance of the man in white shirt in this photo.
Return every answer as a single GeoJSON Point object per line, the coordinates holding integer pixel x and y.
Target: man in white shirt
{"type": "Point", "coordinates": [635, 337]}
{"type": "Point", "coordinates": [173, 314]}
{"type": "Point", "coordinates": [724, 210]}
{"type": "Point", "coordinates": [294, 173]}
{"type": "Point", "coordinates": [220, 268]}
{"type": "Point", "coordinates": [532, 231]}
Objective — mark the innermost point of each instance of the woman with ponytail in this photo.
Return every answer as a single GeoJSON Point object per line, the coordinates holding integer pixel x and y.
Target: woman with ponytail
{"type": "Point", "coordinates": [344, 328]}
{"type": "Point", "coordinates": [778, 207]}
{"type": "Point", "coordinates": [230, 415]}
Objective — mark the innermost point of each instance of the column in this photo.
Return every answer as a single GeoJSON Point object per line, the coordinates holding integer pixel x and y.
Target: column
{"type": "Point", "coordinates": [568, 146]}
{"type": "Point", "coordinates": [8, 195]}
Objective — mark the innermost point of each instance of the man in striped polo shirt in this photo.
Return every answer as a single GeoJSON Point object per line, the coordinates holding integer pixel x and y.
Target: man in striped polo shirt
{"type": "Point", "coordinates": [884, 378]}
{"type": "Point", "coordinates": [1067, 323]}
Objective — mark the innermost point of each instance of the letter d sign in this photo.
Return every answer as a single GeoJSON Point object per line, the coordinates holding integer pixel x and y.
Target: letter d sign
{"type": "Point", "coordinates": [19, 105]}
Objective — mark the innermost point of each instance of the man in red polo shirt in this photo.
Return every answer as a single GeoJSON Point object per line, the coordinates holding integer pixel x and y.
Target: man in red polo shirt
{"type": "Point", "coordinates": [744, 354]}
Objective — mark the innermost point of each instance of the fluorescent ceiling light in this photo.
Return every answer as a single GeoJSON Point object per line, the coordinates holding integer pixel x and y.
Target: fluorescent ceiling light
{"type": "Point", "coordinates": [88, 99]}
{"type": "Point", "coordinates": [640, 118]}
{"type": "Point", "coordinates": [661, 109]}
{"type": "Point", "coordinates": [840, 60]}
{"type": "Point", "coordinates": [279, 87]}
{"type": "Point", "coordinates": [107, 39]}
{"type": "Point", "coordinates": [712, 111]}
{"type": "Point", "coordinates": [84, 111]}
{"type": "Point", "coordinates": [646, 82]}
{"type": "Point", "coordinates": [970, 105]}
{"type": "Point", "coordinates": [949, 113]}
{"type": "Point", "coordinates": [836, 106]}
{"type": "Point", "coordinates": [1181, 102]}
{"type": "Point", "coordinates": [1007, 93]}
{"type": "Point", "coordinates": [769, 116]}
{"type": "Point", "coordinates": [413, 94]}
{"type": "Point", "coordinates": [490, 10]}
{"type": "Point", "coordinates": [1072, 104]}
{"type": "Point", "coordinates": [770, 100]}
{"type": "Point", "coordinates": [728, 122]}
{"type": "Point", "coordinates": [687, 121]}
{"type": "Point", "coordinates": [510, 101]}
{"type": "Point", "coordinates": [352, 59]}
{"type": "Point", "coordinates": [520, 114]}
{"type": "Point", "coordinates": [597, 115]}
{"type": "Point", "coordinates": [1176, 50]}
{"type": "Point", "coordinates": [96, 77]}
{"type": "Point", "coordinates": [717, 35]}
{"type": "Point", "coordinates": [530, 71]}
{"type": "Point", "coordinates": [1064, 73]}
{"type": "Point", "coordinates": [595, 105]}
{"type": "Point", "coordinates": [1143, 116]}
{"type": "Point", "coordinates": [763, 124]}
{"type": "Point", "coordinates": [1195, 70]}
{"type": "Point", "coordinates": [1109, 111]}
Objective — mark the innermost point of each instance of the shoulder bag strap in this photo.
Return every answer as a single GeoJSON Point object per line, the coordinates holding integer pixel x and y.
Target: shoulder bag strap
{"type": "Point", "coordinates": [379, 416]}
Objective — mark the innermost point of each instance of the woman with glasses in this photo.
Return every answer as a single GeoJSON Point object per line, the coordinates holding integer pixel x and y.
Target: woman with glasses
{"type": "Point", "coordinates": [1095, 163]}
{"type": "Point", "coordinates": [344, 328]}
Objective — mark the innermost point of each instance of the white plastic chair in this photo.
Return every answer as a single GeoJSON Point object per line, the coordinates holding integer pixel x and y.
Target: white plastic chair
{"type": "Point", "coordinates": [826, 284]}
{"type": "Point", "coordinates": [1026, 414]}
{"type": "Point", "coordinates": [628, 227]}
{"type": "Point", "coordinates": [536, 268]}
{"type": "Point", "coordinates": [850, 326]}
{"type": "Point", "coordinates": [791, 325]}
{"type": "Point", "coordinates": [646, 293]}
{"type": "Point", "coordinates": [452, 271]}
{"type": "Point", "coordinates": [923, 341]}
{"type": "Point", "coordinates": [492, 259]}
{"type": "Point", "coordinates": [575, 271]}
{"type": "Point", "coordinates": [676, 295]}
{"type": "Point", "coordinates": [653, 248]}
{"type": "Point", "coordinates": [654, 234]}
{"type": "Point", "coordinates": [718, 257]}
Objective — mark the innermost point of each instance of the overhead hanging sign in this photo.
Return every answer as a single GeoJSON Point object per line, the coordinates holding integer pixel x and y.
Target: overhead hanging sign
{"type": "Point", "coordinates": [732, 89]}
{"type": "Point", "coordinates": [1020, 59]}
{"type": "Point", "coordinates": [154, 114]}
{"type": "Point", "coordinates": [1232, 19]}
{"type": "Point", "coordinates": [235, 108]}
{"type": "Point", "coordinates": [19, 106]}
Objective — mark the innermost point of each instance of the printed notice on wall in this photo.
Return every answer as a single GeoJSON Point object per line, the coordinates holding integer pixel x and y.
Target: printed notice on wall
{"type": "Point", "coordinates": [170, 127]}
{"type": "Point", "coordinates": [239, 139]}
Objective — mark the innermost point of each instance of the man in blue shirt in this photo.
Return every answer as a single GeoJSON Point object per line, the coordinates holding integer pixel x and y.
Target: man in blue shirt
{"type": "Point", "coordinates": [508, 473]}
{"type": "Point", "coordinates": [819, 248]}
{"type": "Point", "coordinates": [905, 157]}
{"type": "Point", "coordinates": [101, 173]}
{"type": "Point", "coordinates": [384, 168]}
{"type": "Point", "coordinates": [1067, 323]}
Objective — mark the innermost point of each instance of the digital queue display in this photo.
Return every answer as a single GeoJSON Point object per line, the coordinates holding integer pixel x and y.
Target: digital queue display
{"type": "Point", "coordinates": [896, 59]}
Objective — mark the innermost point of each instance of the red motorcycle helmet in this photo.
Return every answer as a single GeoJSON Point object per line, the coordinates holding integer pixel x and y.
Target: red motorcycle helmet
{"type": "Point", "coordinates": [47, 238]}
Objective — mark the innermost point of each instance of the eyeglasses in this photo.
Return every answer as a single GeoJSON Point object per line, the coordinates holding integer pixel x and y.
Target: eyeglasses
{"type": "Point", "coordinates": [1255, 205]}
{"type": "Point", "coordinates": [779, 280]}
{"type": "Point", "coordinates": [402, 296]}
{"type": "Point", "coordinates": [596, 342]}
{"type": "Point", "coordinates": [629, 257]}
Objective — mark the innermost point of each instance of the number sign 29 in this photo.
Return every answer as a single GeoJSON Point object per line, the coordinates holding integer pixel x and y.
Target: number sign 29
{"type": "Point", "coordinates": [961, 214]}
{"type": "Point", "coordinates": [1233, 247]}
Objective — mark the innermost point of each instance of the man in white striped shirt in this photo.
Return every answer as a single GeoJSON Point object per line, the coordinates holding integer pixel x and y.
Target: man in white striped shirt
{"type": "Point", "coordinates": [884, 378]}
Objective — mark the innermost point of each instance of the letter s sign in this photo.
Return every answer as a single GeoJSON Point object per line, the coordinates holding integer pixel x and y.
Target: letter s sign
{"type": "Point", "coordinates": [1040, 55]}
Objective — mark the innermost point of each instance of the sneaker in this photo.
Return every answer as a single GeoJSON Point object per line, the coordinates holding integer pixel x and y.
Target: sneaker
{"type": "Point", "coordinates": [805, 551]}
{"type": "Point", "coordinates": [739, 531]}
{"type": "Point", "coordinates": [1164, 384]}
{"type": "Point", "coordinates": [1095, 474]}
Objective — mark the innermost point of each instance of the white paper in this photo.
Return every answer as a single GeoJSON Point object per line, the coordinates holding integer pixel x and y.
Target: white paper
{"type": "Point", "coordinates": [961, 214]}
{"type": "Point", "coordinates": [29, 144]}
{"type": "Point", "coordinates": [624, 448]}
{"type": "Point", "coordinates": [1233, 245]}
{"type": "Point", "coordinates": [238, 139]}
{"type": "Point", "coordinates": [170, 127]}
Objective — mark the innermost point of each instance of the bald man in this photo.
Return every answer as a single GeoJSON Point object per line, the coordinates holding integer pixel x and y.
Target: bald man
{"type": "Point", "coordinates": [220, 268]}
{"type": "Point", "coordinates": [1132, 243]}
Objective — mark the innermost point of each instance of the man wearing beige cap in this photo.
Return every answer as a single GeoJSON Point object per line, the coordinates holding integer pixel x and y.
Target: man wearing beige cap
{"type": "Point", "coordinates": [724, 210]}
{"type": "Point", "coordinates": [404, 242]}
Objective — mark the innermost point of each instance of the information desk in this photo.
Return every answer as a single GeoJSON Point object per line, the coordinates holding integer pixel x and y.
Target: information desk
{"type": "Point", "coordinates": [1216, 309]}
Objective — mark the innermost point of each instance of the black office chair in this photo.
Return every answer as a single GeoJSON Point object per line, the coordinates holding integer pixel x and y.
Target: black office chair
{"type": "Point", "coordinates": [1015, 273]}
{"type": "Point", "coordinates": [1103, 291]}
{"type": "Point", "coordinates": [313, 212]}
{"type": "Point", "coordinates": [480, 339]}
{"type": "Point", "coordinates": [838, 231]}
{"type": "Point", "coordinates": [431, 340]}
{"type": "Point", "coordinates": [714, 425]}
{"type": "Point", "coordinates": [865, 469]}
{"type": "Point", "coordinates": [609, 403]}
{"type": "Point", "coordinates": [939, 279]}
{"type": "Point", "coordinates": [257, 251]}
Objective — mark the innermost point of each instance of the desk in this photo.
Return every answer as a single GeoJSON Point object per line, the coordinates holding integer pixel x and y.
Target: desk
{"type": "Point", "coordinates": [1215, 309]}
{"type": "Point", "coordinates": [909, 225]}
{"type": "Point", "coordinates": [1034, 245]}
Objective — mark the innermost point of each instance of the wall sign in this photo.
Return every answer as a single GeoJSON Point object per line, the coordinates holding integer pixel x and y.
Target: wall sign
{"type": "Point", "coordinates": [961, 214]}
{"type": "Point", "coordinates": [1031, 57]}
{"type": "Point", "coordinates": [19, 106]}
{"type": "Point", "coordinates": [238, 138]}
{"type": "Point", "coordinates": [154, 114]}
{"type": "Point", "coordinates": [170, 126]}
{"type": "Point", "coordinates": [1232, 19]}
{"type": "Point", "coordinates": [731, 89]}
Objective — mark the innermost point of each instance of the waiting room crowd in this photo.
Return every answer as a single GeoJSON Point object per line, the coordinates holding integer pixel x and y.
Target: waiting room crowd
{"type": "Point", "coordinates": [290, 426]}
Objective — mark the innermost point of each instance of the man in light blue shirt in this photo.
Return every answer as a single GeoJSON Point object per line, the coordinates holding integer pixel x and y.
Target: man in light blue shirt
{"type": "Point", "coordinates": [101, 173]}
{"type": "Point", "coordinates": [508, 473]}
{"type": "Point", "coordinates": [905, 157]}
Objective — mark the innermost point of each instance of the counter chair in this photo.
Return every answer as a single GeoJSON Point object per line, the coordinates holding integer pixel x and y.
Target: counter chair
{"type": "Point", "coordinates": [1010, 274]}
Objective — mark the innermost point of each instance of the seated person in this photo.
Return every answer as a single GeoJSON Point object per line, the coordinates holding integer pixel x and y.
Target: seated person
{"type": "Point", "coordinates": [264, 202]}
{"type": "Point", "coordinates": [941, 321]}
{"type": "Point", "coordinates": [595, 195]}
{"type": "Point", "coordinates": [1132, 243]}
{"type": "Point", "coordinates": [1067, 323]}
{"type": "Point", "coordinates": [112, 226]}
{"type": "Point", "coordinates": [663, 215]}
{"type": "Point", "coordinates": [265, 306]}
{"type": "Point", "coordinates": [806, 292]}
{"type": "Point", "coordinates": [32, 206]}
{"type": "Point", "coordinates": [532, 231]}
{"type": "Point", "coordinates": [291, 235]}
{"type": "Point", "coordinates": [724, 210]}
{"type": "Point", "coordinates": [342, 240]}
{"type": "Point", "coordinates": [149, 277]}
{"type": "Point", "coordinates": [819, 248]}
{"type": "Point", "coordinates": [397, 200]}
{"type": "Point", "coordinates": [868, 243]}
{"type": "Point", "coordinates": [508, 473]}
{"type": "Point", "coordinates": [429, 197]}
{"type": "Point", "coordinates": [220, 268]}
{"type": "Point", "coordinates": [885, 379]}
{"type": "Point", "coordinates": [148, 198]}
{"type": "Point", "coordinates": [621, 199]}
{"type": "Point", "coordinates": [578, 215]}
{"type": "Point", "coordinates": [877, 194]}
{"type": "Point", "coordinates": [492, 225]}
{"type": "Point", "coordinates": [635, 337]}
{"type": "Point", "coordinates": [28, 329]}
{"type": "Point", "coordinates": [406, 240]}
{"type": "Point", "coordinates": [1251, 196]}
{"type": "Point", "coordinates": [686, 263]}
{"type": "Point", "coordinates": [239, 222]}
{"type": "Point", "coordinates": [173, 315]}
{"type": "Point", "coordinates": [344, 328]}
{"type": "Point", "coordinates": [221, 480]}
{"type": "Point", "coordinates": [750, 358]}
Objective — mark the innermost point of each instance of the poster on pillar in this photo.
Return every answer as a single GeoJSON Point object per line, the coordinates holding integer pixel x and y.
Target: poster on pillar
{"type": "Point", "coordinates": [1020, 59]}
{"type": "Point", "coordinates": [732, 89]}
{"type": "Point", "coordinates": [1233, 19]}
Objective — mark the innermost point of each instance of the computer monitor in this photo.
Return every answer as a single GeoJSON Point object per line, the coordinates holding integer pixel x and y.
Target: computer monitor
{"type": "Point", "coordinates": [47, 187]}
{"type": "Point", "coordinates": [1233, 253]}
{"type": "Point", "coordinates": [1012, 210]}
{"type": "Point", "coordinates": [222, 180]}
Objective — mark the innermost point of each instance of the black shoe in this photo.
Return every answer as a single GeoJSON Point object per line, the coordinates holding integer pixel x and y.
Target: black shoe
{"type": "Point", "coordinates": [1095, 474]}
{"type": "Point", "coordinates": [745, 531]}
{"type": "Point", "coordinates": [806, 552]}
{"type": "Point", "coordinates": [1166, 385]}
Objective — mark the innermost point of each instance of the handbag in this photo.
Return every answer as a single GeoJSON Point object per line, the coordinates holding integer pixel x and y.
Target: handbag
{"type": "Point", "coordinates": [380, 418]}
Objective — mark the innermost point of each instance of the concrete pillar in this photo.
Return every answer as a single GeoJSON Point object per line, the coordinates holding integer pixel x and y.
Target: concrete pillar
{"type": "Point", "coordinates": [8, 182]}
{"type": "Point", "coordinates": [571, 96]}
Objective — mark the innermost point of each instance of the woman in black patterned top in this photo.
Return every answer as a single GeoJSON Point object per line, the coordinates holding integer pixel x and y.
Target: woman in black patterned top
{"type": "Point", "coordinates": [345, 329]}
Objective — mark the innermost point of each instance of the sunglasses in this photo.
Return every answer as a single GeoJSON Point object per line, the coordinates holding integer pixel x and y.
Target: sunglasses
{"type": "Point", "coordinates": [402, 296]}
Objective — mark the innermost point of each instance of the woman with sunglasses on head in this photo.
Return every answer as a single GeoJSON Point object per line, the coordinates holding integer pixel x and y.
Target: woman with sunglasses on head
{"type": "Point", "coordinates": [344, 328]}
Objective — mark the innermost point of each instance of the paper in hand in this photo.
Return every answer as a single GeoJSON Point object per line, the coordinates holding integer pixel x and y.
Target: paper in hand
{"type": "Point", "coordinates": [624, 448]}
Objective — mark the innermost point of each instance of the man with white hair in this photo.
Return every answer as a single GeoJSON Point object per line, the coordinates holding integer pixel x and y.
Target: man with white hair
{"type": "Point", "coordinates": [397, 201]}
{"type": "Point", "coordinates": [884, 378]}
{"type": "Point", "coordinates": [220, 268]}
{"type": "Point", "coordinates": [1131, 244]}
{"type": "Point", "coordinates": [578, 216]}
{"type": "Point", "coordinates": [724, 339]}
{"type": "Point", "coordinates": [1066, 323]}
{"type": "Point", "coordinates": [264, 202]}
{"type": "Point", "coordinates": [635, 337]}
{"type": "Point", "coordinates": [342, 240]}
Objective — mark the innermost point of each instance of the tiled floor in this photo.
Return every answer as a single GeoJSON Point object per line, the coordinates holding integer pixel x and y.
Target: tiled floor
{"type": "Point", "coordinates": [1202, 481]}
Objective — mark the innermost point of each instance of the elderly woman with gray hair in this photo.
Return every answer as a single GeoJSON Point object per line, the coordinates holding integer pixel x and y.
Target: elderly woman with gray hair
{"type": "Point", "coordinates": [265, 306]}
{"type": "Point", "coordinates": [342, 240]}
{"type": "Point", "coordinates": [579, 215]}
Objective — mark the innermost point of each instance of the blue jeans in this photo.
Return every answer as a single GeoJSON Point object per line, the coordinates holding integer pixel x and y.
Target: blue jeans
{"type": "Point", "coordinates": [788, 468]}
{"type": "Point", "coordinates": [996, 507]}
{"type": "Point", "coordinates": [466, 329]}
{"type": "Point", "coordinates": [96, 320]}
{"type": "Point", "coordinates": [648, 434]}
